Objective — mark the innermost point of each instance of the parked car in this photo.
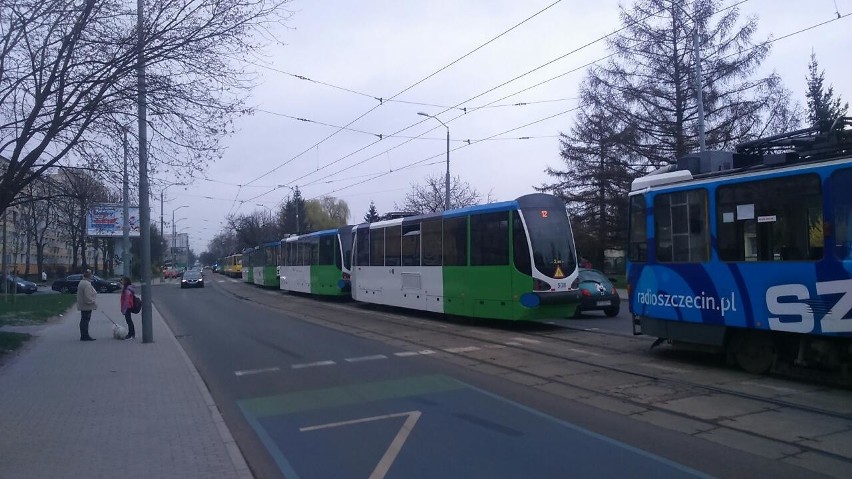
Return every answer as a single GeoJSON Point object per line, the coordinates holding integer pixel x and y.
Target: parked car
{"type": "Point", "coordinates": [597, 293]}
{"type": "Point", "coordinates": [192, 279]}
{"type": "Point", "coordinates": [20, 285]}
{"type": "Point", "coordinates": [69, 284]}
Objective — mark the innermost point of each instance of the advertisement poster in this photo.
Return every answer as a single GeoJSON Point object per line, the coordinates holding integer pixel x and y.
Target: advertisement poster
{"type": "Point", "coordinates": [106, 220]}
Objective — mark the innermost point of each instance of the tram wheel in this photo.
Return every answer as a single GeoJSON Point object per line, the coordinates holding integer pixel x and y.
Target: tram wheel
{"type": "Point", "coordinates": [755, 351]}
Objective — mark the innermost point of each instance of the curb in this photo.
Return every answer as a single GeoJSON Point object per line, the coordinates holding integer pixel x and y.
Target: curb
{"type": "Point", "coordinates": [237, 458]}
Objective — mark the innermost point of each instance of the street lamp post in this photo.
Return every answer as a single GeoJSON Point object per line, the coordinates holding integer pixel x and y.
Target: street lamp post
{"type": "Point", "coordinates": [447, 178]}
{"type": "Point", "coordinates": [174, 234]}
{"type": "Point", "coordinates": [162, 226]}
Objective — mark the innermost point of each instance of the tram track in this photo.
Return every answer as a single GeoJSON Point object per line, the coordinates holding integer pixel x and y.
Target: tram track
{"type": "Point", "coordinates": [328, 316]}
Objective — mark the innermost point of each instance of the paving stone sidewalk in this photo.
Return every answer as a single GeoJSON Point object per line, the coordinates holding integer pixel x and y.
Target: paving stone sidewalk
{"type": "Point", "coordinates": [109, 408]}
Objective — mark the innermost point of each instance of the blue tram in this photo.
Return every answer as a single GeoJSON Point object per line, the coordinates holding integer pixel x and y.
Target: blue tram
{"type": "Point", "coordinates": [749, 252]}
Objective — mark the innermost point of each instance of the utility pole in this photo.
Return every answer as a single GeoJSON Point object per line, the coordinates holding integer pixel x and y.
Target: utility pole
{"type": "Point", "coordinates": [447, 178]}
{"type": "Point", "coordinates": [144, 211]}
{"type": "Point", "coordinates": [125, 254]}
{"type": "Point", "coordinates": [5, 283]}
{"type": "Point", "coordinates": [699, 89]}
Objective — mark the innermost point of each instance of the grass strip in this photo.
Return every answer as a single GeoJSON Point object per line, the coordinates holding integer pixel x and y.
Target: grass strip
{"type": "Point", "coordinates": [32, 309]}
{"type": "Point", "coordinates": [12, 341]}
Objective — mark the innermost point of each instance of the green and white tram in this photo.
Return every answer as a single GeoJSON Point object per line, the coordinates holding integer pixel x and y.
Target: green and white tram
{"type": "Point", "coordinates": [265, 260]}
{"type": "Point", "coordinates": [313, 263]}
{"type": "Point", "coordinates": [246, 272]}
{"type": "Point", "coordinates": [512, 260]}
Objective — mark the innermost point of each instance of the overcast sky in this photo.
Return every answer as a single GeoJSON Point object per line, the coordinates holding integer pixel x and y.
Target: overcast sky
{"type": "Point", "coordinates": [377, 49]}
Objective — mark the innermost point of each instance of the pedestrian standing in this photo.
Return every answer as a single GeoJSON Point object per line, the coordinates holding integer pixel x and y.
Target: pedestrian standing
{"type": "Point", "coordinates": [44, 276]}
{"type": "Point", "coordinates": [127, 294]}
{"type": "Point", "coordinates": [86, 296]}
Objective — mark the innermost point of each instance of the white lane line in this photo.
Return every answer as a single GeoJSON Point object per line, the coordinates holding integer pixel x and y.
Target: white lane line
{"type": "Point", "coordinates": [395, 447]}
{"type": "Point", "coordinates": [366, 358]}
{"type": "Point", "coordinates": [514, 343]}
{"type": "Point", "coordinates": [582, 351]}
{"type": "Point", "coordinates": [464, 349]}
{"type": "Point", "coordinates": [405, 354]}
{"type": "Point", "coordinates": [664, 368]}
{"type": "Point", "coordinates": [315, 364]}
{"type": "Point", "coordinates": [527, 340]}
{"type": "Point", "coordinates": [256, 371]}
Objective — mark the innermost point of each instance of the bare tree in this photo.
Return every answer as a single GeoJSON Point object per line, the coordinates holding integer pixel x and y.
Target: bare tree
{"type": "Point", "coordinates": [68, 80]}
{"type": "Point", "coordinates": [79, 192]}
{"type": "Point", "coordinates": [429, 196]}
{"type": "Point", "coordinates": [650, 82]}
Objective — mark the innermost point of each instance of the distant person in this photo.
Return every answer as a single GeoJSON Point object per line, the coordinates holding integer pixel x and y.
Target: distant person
{"type": "Point", "coordinates": [127, 294]}
{"type": "Point", "coordinates": [86, 296]}
{"type": "Point", "coordinates": [585, 263]}
{"type": "Point", "coordinates": [44, 276]}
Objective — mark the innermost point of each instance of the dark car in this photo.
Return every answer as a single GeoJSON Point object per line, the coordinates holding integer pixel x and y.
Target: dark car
{"type": "Point", "coordinates": [70, 282]}
{"type": "Point", "coordinates": [597, 293]}
{"type": "Point", "coordinates": [20, 285]}
{"type": "Point", "coordinates": [192, 279]}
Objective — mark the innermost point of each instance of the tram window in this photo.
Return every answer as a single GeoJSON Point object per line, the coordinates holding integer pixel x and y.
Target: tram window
{"type": "Point", "coordinates": [313, 254]}
{"type": "Point", "coordinates": [489, 239]}
{"type": "Point", "coordinates": [779, 219]}
{"type": "Point", "coordinates": [841, 196]}
{"type": "Point", "coordinates": [455, 241]}
{"type": "Point", "coordinates": [392, 245]}
{"type": "Point", "coordinates": [431, 232]}
{"type": "Point", "coordinates": [362, 247]}
{"type": "Point", "coordinates": [520, 246]}
{"type": "Point", "coordinates": [338, 262]}
{"type": "Point", "coordinates": [346, 238]}
{"type": "Point", "coordinates": [638, 248]}
{"type": "Point", "coordinates": [326, 250]}
{"type": "Point", "coordinates": [411, 245]}
{"type": "Point", "coordinates": [681, 226]}
{"type": "Point", "coordinates": [377, 246]}
{"type": "Point", "coordinates": [301, 253]}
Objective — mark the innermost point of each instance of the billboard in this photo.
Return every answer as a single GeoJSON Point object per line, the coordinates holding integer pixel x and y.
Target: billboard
{"type": "Point", "coordinates": [107, 220]}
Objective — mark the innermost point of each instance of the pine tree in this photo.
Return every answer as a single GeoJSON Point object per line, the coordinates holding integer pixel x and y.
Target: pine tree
{"type": "Point", "coordinates": [822, 106]}
{"type": "Point", "coordinates": [372, 214]}
{"type": "Point", "coordinates": [596, 180]}
{"type": "Point", "coordinates": [650, 81]}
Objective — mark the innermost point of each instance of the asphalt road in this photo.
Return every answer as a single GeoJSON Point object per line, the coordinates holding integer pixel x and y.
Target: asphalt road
{"type": "Point", "coordinates": [306, 401]}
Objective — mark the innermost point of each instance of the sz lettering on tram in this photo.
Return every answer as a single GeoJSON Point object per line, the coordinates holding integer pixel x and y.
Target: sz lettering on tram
{"type": "Point", "coordinates": [834, 321]}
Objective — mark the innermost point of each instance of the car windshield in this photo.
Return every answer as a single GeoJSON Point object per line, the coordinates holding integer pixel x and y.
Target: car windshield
{"type": "Point", "coordinates": [192, 275]}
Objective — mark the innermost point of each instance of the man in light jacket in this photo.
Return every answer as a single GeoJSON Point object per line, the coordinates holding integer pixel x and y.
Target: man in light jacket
{"type": "Point", "coordinates": [86, 295]}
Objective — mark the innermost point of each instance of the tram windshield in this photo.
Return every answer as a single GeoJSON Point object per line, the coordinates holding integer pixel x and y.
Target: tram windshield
{"type": "Point", "coordinates": [550, 235]}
